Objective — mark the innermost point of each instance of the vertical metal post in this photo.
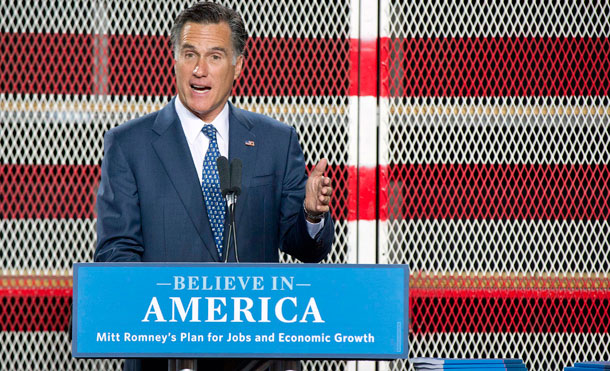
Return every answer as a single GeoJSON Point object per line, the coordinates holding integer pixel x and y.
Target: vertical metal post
{"type": "Point", "coordinates": [368, 121]}
{"type": "Point", "coordinates": [101, 25]}
{"type": "Point", "coordinates": [182, 365]}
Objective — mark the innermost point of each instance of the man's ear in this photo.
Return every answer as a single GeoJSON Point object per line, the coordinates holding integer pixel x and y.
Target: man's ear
{"type": "Point", "coordinates": [239, 64]}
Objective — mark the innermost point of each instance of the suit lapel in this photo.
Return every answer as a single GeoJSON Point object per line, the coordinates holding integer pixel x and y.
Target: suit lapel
{"type": "Point", "coordinates": [242, 145]}
{"type": "Point", "coordinates": [173, 151]}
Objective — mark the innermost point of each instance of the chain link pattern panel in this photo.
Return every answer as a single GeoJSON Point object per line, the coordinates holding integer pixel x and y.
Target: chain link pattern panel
{"type": "Point", "coordinates": [479, 246]}
{"type": "Point", "coordinates": [71, 70]}
{"type": "Point", "coordinates": [46, 350]}
{"type": "Point", "coordinates": [494, 120]}
{"type": "Point", "coordinates": [524, 346]}
{"type": "Point", "coordinates": [464, 18]}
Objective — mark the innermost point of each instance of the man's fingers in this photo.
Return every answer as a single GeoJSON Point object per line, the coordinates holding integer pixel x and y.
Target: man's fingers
{"type": "Point", "coordinates": [325, 195]}
{"type": "Point", "coordinates": [320, 168]}
{"type": "Point", "coordinates": [322, 208]}
{"type": "Point", "coordinates": [324, 188]}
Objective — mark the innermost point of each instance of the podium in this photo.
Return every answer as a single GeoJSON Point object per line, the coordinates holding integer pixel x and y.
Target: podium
{"type": "Point", "coordinates": [264, 311]}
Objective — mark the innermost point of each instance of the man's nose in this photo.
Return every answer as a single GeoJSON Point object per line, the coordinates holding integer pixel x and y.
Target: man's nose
{"type": "Point", "coordinates": [201, 68]}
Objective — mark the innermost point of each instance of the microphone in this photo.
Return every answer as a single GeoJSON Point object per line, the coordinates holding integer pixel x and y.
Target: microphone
{"type": "Point", "coordinates": [222, 163]}
{"type": "Point", "coordinates": [236, 167]}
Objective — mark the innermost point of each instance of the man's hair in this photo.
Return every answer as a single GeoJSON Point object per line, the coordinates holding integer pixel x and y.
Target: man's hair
{"type": "Point", "coordinates": [211, 13]}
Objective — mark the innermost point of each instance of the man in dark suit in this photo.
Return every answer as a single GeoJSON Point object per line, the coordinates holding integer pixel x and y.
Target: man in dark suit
{"type": "Point", "coordinates": [156, 200]}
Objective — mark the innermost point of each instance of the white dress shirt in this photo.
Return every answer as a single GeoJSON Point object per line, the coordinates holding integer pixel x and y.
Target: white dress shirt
{"type": "Point", "coordinates": [199, 142]}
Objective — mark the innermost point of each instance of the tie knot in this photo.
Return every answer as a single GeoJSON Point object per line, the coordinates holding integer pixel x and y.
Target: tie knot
{"type": "Point", "coordinates": [210, 131]}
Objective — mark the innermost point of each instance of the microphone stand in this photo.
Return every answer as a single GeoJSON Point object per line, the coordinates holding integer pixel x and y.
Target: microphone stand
{"type": "Point", "coordinates": [231, 198]}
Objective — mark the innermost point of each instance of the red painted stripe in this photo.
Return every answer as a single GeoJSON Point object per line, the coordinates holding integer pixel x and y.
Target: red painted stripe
{"type": "Point", "coordinates": [48, 191]}
{"type": "Point", "coordinates": [367, 195]}
{"type": "Point", "coordinates": [521, 192]}
{"type": "Point", "coordinates": [363, 71]}
{"type": "Point", "coordinates": [143, 65]}
{"type": "Point", "coordinates": [385, 58]}
{"type": "Point", "coordinates": [35, 313]}
{"type": "Point", "coordinates": [352, 195]}
{"type": "Point", "coordinates": [368, 68]}
{"type": "Point", "coordinates": [362, 193]}
{"type": "Point", "coordinates": [354, 71]}
{"type": "Point", "coordinates": [69, 191]}
{"type": "Point", "coordinates": [510, 293]}
{"type": "Point", "coordinates": [510, 311]}
{"type": "Point", "coordinates": [495, 67]}
{"type": "Point", "coordinates": [46, 63]}
{"type": "Point", "coordinates": [37, 292]}
{"type": "Point", "coordinates": [383, 193]}
{"type": "Point", "coordinates": [295, 67]}
{"type": "Point", "coordinates": [416, 67]}
{"type": "Point", "coordinates": [417, 191]}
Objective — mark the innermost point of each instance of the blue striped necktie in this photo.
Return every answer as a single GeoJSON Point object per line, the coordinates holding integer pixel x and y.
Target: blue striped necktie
{"type": "Point", "coordinates": [214, 203]}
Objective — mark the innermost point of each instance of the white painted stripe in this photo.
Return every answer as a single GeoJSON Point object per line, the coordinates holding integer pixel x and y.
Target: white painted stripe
{"type": "Point", "coordinates": [353, 128]}
{"type": "Point", "coordinates": [45, 246]}
{"type": "Point", "coordinates": [354, 19]}
{"type": "Point", "coordinates": [68, 108]}
{"type": "Point", "coordinates": [368, 19]}
{"type": "Point", "coordinates": [52, 246]}
{"type": "Point", "coordinates": [45, 350]}
{"type": "Point", "coordinates": [482, 246]}
{"type": "Point", "coordinates": [383, 246]}
{"type": "Point", "coordinates": [63, 130]}
{"type": "Point", "coordinates": [384, 131]}
{"type": "Point", "coordinates": [367, 136]}
{"type": "Point", "coordinates": [352, 242]}
{"type": "Point", "coordinates": [292, 18]}
{"type": "Point", "coordinates": [384, 19]}
{"type": "Point", "coordinates": [505, 134]}
{"type": "Point", "coordinates": [461, 18]}
{"type": "Point", "coordinates": [366, 366]}
{"type": "Point", "coordinates": [367, 235]}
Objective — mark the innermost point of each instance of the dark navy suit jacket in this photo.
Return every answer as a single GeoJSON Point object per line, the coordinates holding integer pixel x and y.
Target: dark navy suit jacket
{"type": "Point", "coordinates": [151, 208]}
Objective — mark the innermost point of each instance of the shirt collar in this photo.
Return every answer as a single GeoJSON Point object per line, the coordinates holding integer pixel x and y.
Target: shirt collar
{"type": "Point", "coordinates": [192, 124]}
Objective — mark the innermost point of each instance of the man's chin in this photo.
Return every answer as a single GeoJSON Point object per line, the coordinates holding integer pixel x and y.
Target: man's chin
{"type": "Point", "coordinates": [205, 113]}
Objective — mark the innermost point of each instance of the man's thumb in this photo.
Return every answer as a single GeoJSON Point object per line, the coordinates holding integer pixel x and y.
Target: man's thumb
{"type": "Point", "coordinates": [320, 168]}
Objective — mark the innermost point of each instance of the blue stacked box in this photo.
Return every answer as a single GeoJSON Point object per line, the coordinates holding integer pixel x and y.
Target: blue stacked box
{"type": "Point", "coordinates": [589, 366]}
{"type": "Point", "coordinates": [472, 364]}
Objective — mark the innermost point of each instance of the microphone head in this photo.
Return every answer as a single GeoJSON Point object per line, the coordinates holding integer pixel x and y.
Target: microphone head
{"type": "Point", "coordinates": [222, 163]}
{"type": "Point", "coordinates": [236, 167]}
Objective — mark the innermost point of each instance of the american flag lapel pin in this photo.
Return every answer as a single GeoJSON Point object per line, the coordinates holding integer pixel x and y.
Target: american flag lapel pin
{"type": "Point", "coordinates": [250, 143]}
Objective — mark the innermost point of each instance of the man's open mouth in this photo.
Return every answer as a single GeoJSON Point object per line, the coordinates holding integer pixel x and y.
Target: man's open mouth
{"type": "Point", "coordinates": [200, 88]}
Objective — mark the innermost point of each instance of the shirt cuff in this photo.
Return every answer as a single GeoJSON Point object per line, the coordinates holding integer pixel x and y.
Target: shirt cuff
{"type": "Point", "coordinates": [314, 228]}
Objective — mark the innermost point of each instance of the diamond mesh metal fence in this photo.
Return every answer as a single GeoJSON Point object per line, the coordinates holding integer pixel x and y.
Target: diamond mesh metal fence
{"type": "Point", "coordinates": [494, 168]}
{"type": "Point", "coordinates": [70, 71]}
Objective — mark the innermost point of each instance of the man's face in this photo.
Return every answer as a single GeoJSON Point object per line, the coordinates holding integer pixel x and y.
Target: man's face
{"type": "Point", "coordinates": [204, 68]}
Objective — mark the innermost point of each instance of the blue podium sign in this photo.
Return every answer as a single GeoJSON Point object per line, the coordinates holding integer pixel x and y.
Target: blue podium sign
{"type": "Point", "coordinates": [199, 310]}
